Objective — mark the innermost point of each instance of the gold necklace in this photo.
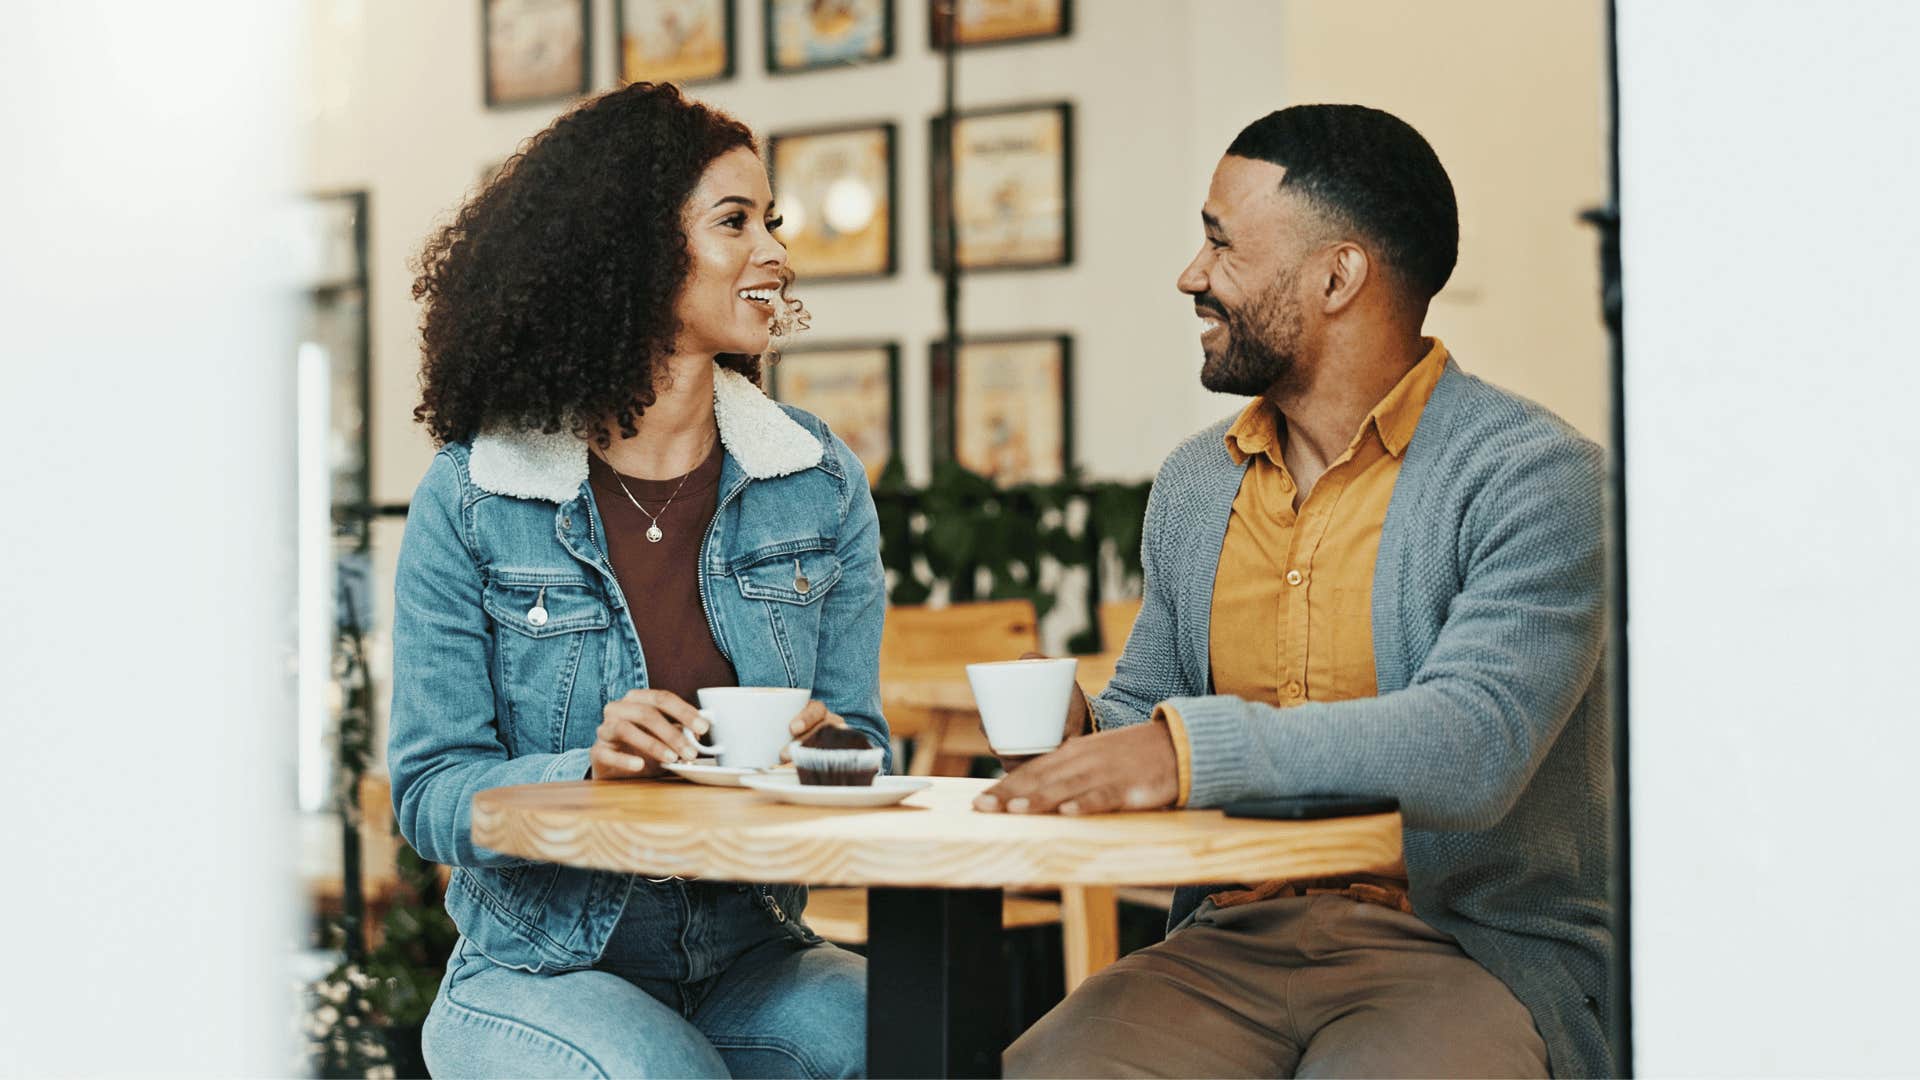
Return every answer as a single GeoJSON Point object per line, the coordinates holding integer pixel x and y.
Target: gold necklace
{"type": "Point", "coordinates": [654, 535]}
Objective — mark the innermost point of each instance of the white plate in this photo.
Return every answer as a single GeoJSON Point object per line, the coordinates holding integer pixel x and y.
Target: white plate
{"type": "Point", "coordinates": [885, 791]}
{"type": "Point", "coordinates": [705, 771]}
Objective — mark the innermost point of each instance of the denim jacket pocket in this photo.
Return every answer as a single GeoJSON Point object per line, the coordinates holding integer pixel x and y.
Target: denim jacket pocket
{"type": "Point", "coordinates": [790, 574]}
{"type": "Point", "coordinates": [543, 605]}
{"type": "Point", "coordinates": [782, 586]}
{"type": "Point", "coordinates": [547, 624]}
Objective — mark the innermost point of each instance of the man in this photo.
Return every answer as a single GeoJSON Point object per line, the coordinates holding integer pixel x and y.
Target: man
{"type": "Point", "coordinates": [1384, 577]}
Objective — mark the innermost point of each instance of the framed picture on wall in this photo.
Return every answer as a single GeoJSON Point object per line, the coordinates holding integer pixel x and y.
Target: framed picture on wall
{"type": "Point", "coordinates": [677, 41]}
{"type": "Point", "coordinates": [1013, 187]}
{"type": "Point", "coordinates": [835, 190]}
{"type": "Point", "coordinates": [999, 22]}
{"type": "Point", "coordinates": [855, 388]}
{"type": "Point", "coordinates": [534, 50]}
{"type": "Point", "coordinates": [806, 35]}
{"type": "Point", "coordinates": [1004, 407]}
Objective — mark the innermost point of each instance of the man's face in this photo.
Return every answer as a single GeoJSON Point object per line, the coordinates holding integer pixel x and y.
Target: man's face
{"type": "Point", "coordinates": [1245, 282]}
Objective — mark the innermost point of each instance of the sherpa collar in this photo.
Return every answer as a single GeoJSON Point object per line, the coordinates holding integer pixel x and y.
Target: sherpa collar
{"type": "Point", "coordinates": [762, 438]}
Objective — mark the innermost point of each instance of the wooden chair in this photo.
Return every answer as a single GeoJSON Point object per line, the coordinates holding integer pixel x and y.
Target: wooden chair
{"type": "Point", "coordinates": [840, 914]}
{"type": "Point", "coordinates": [1116, 623]}
{"type": "Point", "coordinates": [378, 880]}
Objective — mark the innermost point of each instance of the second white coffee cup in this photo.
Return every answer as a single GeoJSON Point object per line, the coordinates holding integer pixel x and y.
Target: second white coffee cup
{"type": "Point", "coordinates": [748, 726]}
{"type": "Point", "coordinates": [1023, 703]}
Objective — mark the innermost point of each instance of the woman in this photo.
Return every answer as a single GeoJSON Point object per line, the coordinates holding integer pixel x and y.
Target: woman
{"type": "Point", "coordinates": [617, 517]}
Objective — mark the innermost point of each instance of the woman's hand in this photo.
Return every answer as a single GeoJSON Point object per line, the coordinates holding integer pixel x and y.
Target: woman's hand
{"type": "Point", "coordinates": [642, 731]}
{"type": "Point", "coordinates": [811, 719]}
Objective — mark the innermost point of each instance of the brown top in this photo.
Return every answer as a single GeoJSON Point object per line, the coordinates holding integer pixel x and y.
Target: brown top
{"type": "Point", "coordinates": [661, 581]}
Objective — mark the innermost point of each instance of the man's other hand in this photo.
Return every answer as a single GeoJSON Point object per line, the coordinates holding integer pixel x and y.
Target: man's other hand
{"type": "Point", "coordinates": [1130, 768]}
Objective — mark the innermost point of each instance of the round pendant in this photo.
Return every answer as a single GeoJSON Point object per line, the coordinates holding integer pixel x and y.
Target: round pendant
{"type": "Point", "coordinates": [654, 534]}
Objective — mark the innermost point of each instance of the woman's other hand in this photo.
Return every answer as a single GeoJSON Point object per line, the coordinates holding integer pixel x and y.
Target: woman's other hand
{"type": "Point", "coordinates": [643, 731]}
{"type": "Point", "coordinates": [811, 719]}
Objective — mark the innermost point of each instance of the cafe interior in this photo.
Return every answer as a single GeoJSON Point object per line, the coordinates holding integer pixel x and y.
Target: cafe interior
{"type": "Point", "coordinates": [1679, 232]}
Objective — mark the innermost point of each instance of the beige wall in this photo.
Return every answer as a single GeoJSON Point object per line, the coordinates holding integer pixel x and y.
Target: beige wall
{"type": "Point", "coordinates": [1509, 91]}
{"type": "Point", "coordinates": [1512, 95]}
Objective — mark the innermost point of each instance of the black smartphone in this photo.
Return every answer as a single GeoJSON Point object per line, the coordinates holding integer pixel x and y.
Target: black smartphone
{"type": "Point", "coordinates": [1307, 807]}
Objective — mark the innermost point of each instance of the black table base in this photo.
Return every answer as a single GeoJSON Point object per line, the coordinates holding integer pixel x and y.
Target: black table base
{"type": "Point", "coordinates": [936, 978]}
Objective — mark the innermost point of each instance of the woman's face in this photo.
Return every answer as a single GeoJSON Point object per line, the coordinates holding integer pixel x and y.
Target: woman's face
{"type": "Point", "coordinates": [733, 285]}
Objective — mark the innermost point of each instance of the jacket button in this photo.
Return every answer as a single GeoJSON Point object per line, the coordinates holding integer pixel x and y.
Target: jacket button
{"type": "Point", "coordinates": [566, 522]}
{"type": "Point", "coordinates": [537, 616]}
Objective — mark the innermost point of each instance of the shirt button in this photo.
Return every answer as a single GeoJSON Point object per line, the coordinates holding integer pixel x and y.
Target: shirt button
{"type": "Point", "coordinates": [1295, 577]}
{"type": "Point", "coordinates": [1293, 689]}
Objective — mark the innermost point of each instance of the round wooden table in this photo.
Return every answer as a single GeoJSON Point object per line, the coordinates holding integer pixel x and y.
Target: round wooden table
{"type": "Point", "coordinates": [934, 868]}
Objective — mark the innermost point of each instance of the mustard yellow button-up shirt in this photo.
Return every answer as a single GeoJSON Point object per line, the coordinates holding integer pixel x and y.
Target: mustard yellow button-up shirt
{"type": "Point", "coordinates": [1292, 616]}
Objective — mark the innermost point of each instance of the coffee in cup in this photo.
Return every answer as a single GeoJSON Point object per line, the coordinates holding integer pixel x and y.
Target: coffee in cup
{"type": "Point", "coordinates": [749, 726]}
{"type": "Point", "coordinates": [1023, 703]}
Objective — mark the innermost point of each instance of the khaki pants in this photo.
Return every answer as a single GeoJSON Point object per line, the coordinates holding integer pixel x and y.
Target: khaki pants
{"type": "Point", "coordinates": [1304, 986]}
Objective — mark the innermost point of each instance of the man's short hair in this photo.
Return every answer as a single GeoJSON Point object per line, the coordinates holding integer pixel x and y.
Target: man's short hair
{"type": "Point", "coordinates": [1369, 170]}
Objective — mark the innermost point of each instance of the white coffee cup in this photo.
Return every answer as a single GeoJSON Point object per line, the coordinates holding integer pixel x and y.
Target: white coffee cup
{"type": "Point", "coordinates": [749, 726]}
{"type": "Point", "coordinates": [1023, 703]}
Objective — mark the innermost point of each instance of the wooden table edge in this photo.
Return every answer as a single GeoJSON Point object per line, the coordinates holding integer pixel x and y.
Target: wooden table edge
{"type": "Point", "coordinates": [605, 840]}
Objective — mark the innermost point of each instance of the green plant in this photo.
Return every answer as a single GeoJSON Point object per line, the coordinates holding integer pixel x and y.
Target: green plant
{"type": "Point", "coordinates": [365, 1014]}
{"type": "Point", "coordinates": [962, 531]}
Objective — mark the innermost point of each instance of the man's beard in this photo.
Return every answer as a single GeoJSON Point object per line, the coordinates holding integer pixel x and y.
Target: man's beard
{"type": "Point", "coordinates": [1262, 344]}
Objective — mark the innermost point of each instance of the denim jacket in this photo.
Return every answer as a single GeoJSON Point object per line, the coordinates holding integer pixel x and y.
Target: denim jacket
{"type": "Point", "coordinates": [487, 692]}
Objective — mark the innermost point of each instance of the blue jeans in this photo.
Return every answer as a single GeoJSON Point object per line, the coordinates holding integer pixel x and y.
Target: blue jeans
{"type": "Point", "coordinates": [696, 982]}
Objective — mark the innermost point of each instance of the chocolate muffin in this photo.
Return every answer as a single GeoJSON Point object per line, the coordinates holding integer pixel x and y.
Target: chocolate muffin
{"type": "Point", "coordinates": [837, 757]}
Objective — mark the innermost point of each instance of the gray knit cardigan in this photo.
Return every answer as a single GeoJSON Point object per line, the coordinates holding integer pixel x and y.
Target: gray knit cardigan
{"type": "Point", "coordinates": [1491, 725]}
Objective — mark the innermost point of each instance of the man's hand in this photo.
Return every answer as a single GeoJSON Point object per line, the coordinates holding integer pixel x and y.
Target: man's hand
{"type": "Point", "coordinates": [1131, 768]}
{"type": "Point", "coordinates": [1076, 722]}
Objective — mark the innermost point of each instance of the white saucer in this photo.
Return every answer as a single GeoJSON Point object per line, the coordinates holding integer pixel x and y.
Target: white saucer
{"type": "Point", "coordinates": [885, 791]}
{"type": "Point", "coordinates": [705, 771]}
{"type": "Point", "coordinates": [1026, 751]}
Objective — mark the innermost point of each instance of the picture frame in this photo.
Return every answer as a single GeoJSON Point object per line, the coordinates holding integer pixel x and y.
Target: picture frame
{"type": "Point", "coordinates": [534, 51]}
{"type": "Point", "coordinates": [836, 189]}
{"type": "Point", "coordinates": [686, 42]}
{"type": "Point", "coordinates": [1000, 22]}
{"type": "Point", "coordinates": [1013, 187]}
{"type": "Point", "coordinates": [854, 386]}
{"type": "Point", "coordinates": [1004, 407]}
{"type": "Point", "coordinates": [812, 35]}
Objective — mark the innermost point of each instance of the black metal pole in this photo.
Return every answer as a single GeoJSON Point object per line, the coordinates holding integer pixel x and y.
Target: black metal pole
{"type": "Point", "coordinates": [1613, 306]}
{"type": "Point", "coordinates": [353, 903]}
{"type": "Point", "coordinates": [949, 228]}
{"type": "Point", "coordinates": [936, 983]}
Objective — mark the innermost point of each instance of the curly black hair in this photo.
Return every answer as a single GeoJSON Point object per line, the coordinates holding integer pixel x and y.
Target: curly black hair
{"type": "Point", "coordinates": [549, 298]}
{"type": "Point", "coordinates": [1373, 171]}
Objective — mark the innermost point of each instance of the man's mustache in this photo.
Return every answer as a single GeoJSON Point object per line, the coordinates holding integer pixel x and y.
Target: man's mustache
{"type": "Point", "coordinates": [1212, 305]}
